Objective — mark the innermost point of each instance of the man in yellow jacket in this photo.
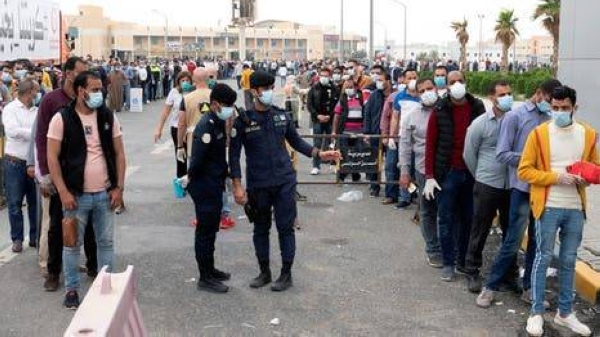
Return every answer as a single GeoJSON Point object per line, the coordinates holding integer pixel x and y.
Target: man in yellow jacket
{"type": "Point", "coordinates": [245, 83]}
{"type": "Point", "coordinates": [558, 203]}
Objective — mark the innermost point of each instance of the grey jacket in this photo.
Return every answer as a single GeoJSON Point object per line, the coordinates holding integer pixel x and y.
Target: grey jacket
{"type": "Point", "coordinates": [413, 132]}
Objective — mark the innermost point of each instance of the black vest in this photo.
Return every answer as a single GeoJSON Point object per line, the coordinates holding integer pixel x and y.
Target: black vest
{"type": "Point", "coordinates": [73, 152]}
{"type": "Point", "coordinates": [445, 140]}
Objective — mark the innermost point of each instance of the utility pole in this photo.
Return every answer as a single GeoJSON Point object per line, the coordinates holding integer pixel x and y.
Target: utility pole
{"type": "Point", "coordinates": [481, 16]}
{"type": "Point", "coordinates": [341, 46]}
{"type": "Point", "coordinates": [371, 33]}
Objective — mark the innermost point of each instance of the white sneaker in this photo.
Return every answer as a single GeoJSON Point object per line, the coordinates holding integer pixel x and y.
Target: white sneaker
{"type": "Point", "coordinates": [314, 171]}
{"type": "Point", "coordinates": [535, 326]}
{"type": "Point", "coordinates": [572, 323]}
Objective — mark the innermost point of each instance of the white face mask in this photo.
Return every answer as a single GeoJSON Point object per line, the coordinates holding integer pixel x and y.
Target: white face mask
{"type": "Point", "coordinates": [350, 92]}
{"type": "Point", "coordinates": [336, 77]}
{"type": "Point", "coordinates": [428, 98]}
{"type": "Point", "coordinates": [375, 77]}
{"type": "Point", "coordinates": [412, 85]}
{"type": "Point", "coordinates": [458, 91]}
{"type": "Point", "coordinates": [380, 85]}
{"type": "Point", "coordinates": [324, 81]}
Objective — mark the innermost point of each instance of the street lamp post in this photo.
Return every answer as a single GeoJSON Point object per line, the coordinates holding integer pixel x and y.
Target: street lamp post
{"type": "Point", "coordinates": [385, 36]}
{"type": "Point", "coordinates": [341, 46]}
{"type": "Point", "coordinates": [371, 51]}
{"type": "Point", "coordinates": [481, 49]}
{"type": "Point", "coordinates": [180, 42]}
{"type": "Point", "coordinates": [156, 11]}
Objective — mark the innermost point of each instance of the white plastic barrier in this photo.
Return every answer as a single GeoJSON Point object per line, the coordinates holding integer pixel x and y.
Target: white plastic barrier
{"type": "Point", "coordinates": [109, 309]}
{"type": "Point", "coordinates": [136, 100]}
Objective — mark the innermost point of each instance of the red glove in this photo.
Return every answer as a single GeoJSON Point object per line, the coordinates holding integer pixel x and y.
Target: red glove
{"type": "Point", "coordinates": [588, 171]}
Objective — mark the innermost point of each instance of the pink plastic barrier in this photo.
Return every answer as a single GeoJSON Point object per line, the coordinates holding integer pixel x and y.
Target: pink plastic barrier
{"type": "Point", "coordinates": [109, 309]}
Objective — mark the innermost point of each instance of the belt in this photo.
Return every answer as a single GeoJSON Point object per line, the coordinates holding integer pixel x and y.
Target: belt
{"type": "Point", "coordinates": [14, 159]}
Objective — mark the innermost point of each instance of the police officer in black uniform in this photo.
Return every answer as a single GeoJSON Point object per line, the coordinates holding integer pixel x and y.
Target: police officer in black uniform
{"type": "Point", "coordinates": [270, 177]}
{"type": "Point", "coordinates": [207, 172]}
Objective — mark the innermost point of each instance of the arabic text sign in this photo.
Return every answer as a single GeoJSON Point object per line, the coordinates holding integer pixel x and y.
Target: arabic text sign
{"type": "Point", "coordinates": [359, 159]}
{"type": "Point", "coordinates": [29, 29]}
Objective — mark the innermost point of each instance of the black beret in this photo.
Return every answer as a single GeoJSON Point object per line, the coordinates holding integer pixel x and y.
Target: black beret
{"type": "Point", "coordinates": [261, 79]}
{"type": "Point", "coordinates": [223, 94]}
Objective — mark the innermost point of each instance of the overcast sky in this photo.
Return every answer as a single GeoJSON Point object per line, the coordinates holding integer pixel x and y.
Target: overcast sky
{"type": "Point", "coordinates": [428, 20]}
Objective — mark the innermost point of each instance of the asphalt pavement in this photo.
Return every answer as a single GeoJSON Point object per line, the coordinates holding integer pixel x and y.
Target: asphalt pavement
{"type": "Point", "coordinates": [360, 268]}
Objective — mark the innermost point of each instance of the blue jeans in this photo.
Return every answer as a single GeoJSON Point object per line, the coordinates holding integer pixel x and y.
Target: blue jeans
{"type": "Point", "coordinates": [126, 94]}
{"type": "Point", "coordinates": [428, 219]}
{"type": "Point", "coordinates": [19, 186]}
{"type": "Point", "coordinates": [519, 218]}
{"type": "Point", "coordinates": [320, 143]}
{"type": "Point", "coordinates": [98, 205]}
{"type": "Point", "coordinates": [226, 206]}
{"type": "Point", "coordinates": [392, 174]}
{"type": "Point", "coordinates": [455, 214]}
{"type": "Point", "coordinates": [570, 223]}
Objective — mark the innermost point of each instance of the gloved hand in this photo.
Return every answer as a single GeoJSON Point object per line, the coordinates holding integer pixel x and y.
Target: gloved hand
{"type": "Point", "coordinates": [392, 144]}
{"type": "Point", "coordinates": [184, 181]}
{"type": "Point", "coordinates": [181, 155]}
{"type": "Point", "coordinates": [429, 190]}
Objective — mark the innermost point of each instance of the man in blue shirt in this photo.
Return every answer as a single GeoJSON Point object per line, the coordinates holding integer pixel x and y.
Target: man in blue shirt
{"type": "Point", "coordinates": [514, 130]}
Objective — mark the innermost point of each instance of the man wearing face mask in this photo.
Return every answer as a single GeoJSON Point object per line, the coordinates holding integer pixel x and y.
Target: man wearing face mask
{"type": "Point", "coordinates": [405, 103]}
{"type": "Point", "coordinates": [192, 107]}
{"type": "Point", "coordinates": [271, 179]}
{"type": "Point", "coordinates": [18, 118]}
{"type": "Point", "coordinates": [90, 174]}
{"type": "Point", "coordinates": [207, 172]}
{"type": "Point", "coordinates": [355, 70]}
{"type": "Point", "coordinates": [440, 78]}
{"type": "Point", "coordinates": [52, 103]}
{"type": "Point", "coordinates": [372, 119]}
{"type": "Point", "coordinates": [491, 195]}
{"type": "Point", "coordinates": [338, 78]}
{"type": "Point", "coordinates": [444, 163]}
{"type": "Point", "coordinates": [321, 101]}
{"type": "Point", "coordinates": [558, 203]}
{"type": "Point", "coordinates": [412, 141]}
{"type": "Point", "coordinates": [514, 130]}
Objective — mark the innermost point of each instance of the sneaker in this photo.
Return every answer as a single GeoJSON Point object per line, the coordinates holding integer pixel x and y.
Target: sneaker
{"type": "Point", "coordinates": [220, 275]}
{"type": "Point", "coordinates": [374, 193]}
{"type": "Point", "coordinates": [51, 283]}
{"type": "Point", "coordinates": [71, 300]}
{"type": "Point", "coordinates": [388, 201]}
{"type": "Point", "coordinates": [485, 298]}
{"type": "Point", "coordinates": [571, 322]}
{"type": "Point", "coordinates": [17, 246]}
{"type": "Point", "coordinates": [462, 271]}
{"type": "Point", "coordinates": [403, 204]}
{"type": "Point", "coordinates": [448, 274]}
{"type": "Point", "coordinates": [474, 283]}
{"type": "Point", "coordinates": [535, 325]}
{"type": "Point", "coordinates": [314, 171]}
{"type": "Point", "coordinates": [527, 297]}
{"type": "Point", "coordinates": [435, 261]}
{"type": "Point", "coordinates": [212, 285]}
{"type": "Point", "coordinates": [227, 222]}
{"type": "Point", "coordinates": [32, 244]}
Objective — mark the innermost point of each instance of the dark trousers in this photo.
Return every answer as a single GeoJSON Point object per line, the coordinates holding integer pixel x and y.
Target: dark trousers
{"type": "Point", "coordinates": [487, 202]}
{"type": "Point", "coordinates": [321, 143]}
{"type": "Point", "coordinates": [166, 84]}
{"type": "Point", "coordinates": [55, 242]}
{"type": "Point", "coordinates": [181, 167]}
{"type": "Point", "coordinates": [153, 88]}
{"type": "Point", "coordinates": [455, 215]}
{"type": "Point", "coordinates": [205, 236]}
{"type": "Point", "coordinates": [281, 200]}
{"type": "Point", "coordinates": [345, 142]}
{"type": "Point", "coordinates": [238, 78]}
{"type": "Point", "coordinates": [374, 177]}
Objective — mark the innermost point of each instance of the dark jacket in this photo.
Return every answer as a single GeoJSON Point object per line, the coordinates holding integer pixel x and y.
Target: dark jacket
{"type": "Point", "coordinates": [73, 152]}
{"type": "Point", "coordinates": [321, 101]}
{"type": "Point", "coordinates": [445, 139]}
{"type": "Point", "coordinates": [372, 112]}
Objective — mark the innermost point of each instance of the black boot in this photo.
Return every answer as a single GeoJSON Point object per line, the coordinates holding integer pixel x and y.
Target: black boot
{"type": "Point", "coordinates": [265, 276]}
{"type": "Point", "coordinates": [220, 275]}
{"type": "Point", "coordinates": [284, 282]}
{"type": "Point", "coordinates": [207, 282]}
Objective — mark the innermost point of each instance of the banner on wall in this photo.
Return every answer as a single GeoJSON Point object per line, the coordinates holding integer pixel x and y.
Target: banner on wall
{"type": "Point", "coordinates": [29, 29]}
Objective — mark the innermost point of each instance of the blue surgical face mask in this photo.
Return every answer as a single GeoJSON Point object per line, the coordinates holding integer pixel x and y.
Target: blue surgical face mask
{"type": "Point", "coordinates": [440, 81]}
{"type": "Point", "coordinates": [187, 87]}
{"type": "Point", "coordinates": [6, 78]}
{"type": "Point", "coordinates": [266, 98]}
{"type": "Point", "coordinates": [562, 119]}
{"type": "Point", "coordinates": [211, 83]}
{"type": "Point", "coordinates": [37, 99]}
{"type": "Point", "coordinates": [226, 112]}
{"type": "Point", "coordinates": [20, 73]}
{"type": "Point", "coordinates": [544, 107]}
{"type": "Point", "coordinates": [505, 103]}
{"type": "Point", "coordinates": [95, 100]}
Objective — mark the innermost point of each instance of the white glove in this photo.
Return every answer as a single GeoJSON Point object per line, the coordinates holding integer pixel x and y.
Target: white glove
{"type": "Point", "coordinates": [429, 190]}
{"type": "Point", "coordinates": [184, 181]}
{"type": "Point", "coordinates": [181, 155]}
{"type": "Point", "coordinates": [392, 144]}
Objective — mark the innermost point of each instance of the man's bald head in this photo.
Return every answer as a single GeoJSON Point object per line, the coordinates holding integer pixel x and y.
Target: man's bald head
{"type": "Point", "coordinates": [199, 77]}
{"type": "Point", "coordinates": [455, 76]}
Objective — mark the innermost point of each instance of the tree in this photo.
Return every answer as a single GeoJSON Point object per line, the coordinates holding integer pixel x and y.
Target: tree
{"type": "Point", "coordinates": [422, 56]}
{"type": "Point", "coordinates": [460, 27]}
{"type": "Point", "coordinates": [359, 54]}
{"type": "Point", "coordinates": [506, 32]}
{"type": "Point", "coordinates": [549, 12]}
{"type": "Point", "coordinates": [433, 55]}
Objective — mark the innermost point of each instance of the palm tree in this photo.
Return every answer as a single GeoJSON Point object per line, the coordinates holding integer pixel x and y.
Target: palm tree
{"type": "Point", "coordinates": [549, 12]}
{"type": "Point", "coordinates": [506, 32]}
{"type": "Point", "coordinates": [460, 27]}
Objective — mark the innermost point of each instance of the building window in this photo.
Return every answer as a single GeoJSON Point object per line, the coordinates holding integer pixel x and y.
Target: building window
{"type": "Point", "coordinates": [216, 42]}
{"type": "Point", "coordinates": [260, 42]}
{"type": "Point", "coordinates": [301, 43]}
{"type": "Point", "coordinates": [273, 43]}
{"type": "Point", "coordinates": [153, 40]}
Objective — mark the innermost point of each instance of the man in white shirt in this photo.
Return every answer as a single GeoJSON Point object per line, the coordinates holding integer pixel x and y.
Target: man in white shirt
{"type": "Point", "coordinates": [18, 118]}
